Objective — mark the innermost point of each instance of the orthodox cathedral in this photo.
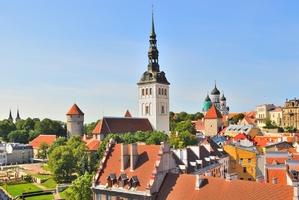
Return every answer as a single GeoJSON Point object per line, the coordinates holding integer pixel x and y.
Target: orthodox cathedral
{"type": "Point", "coordinates": [220, 103]}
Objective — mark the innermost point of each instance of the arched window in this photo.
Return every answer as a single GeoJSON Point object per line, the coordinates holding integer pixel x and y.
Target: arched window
{"type": "Point", "coordinates": [142, 92]}
{"type": "Point", "coordinates": [146, 91]}
{"type": "Point", "coordinates": [150, 91]}
{"type": "Point", "coordinates": [159, 91]}
{"type": "Point", "coordinates": [165, 93]}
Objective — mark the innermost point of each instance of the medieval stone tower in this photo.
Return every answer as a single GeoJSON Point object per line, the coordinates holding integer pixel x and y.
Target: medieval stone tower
{"type": "Point", "coordinates": [153, 89]}
{"type": "Point", "coordinates": [75, 121]}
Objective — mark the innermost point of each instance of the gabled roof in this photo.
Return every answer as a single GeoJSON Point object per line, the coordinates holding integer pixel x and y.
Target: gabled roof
{"type": "Point", "coordinates": [278, 172]}
{"type": "Point", "coordinates": [213, 113]}
{"type": "Point", "coordinates": [42, 138]}
{"type": "Point", "coordinates": [147, 156]}
{"type": "Point", "coordinates": [93, 144]}
{"type": "Point", "coordinates": [128, 114]}
{"type": "Point", "coordinates": [75, 110]}
{"type": "Point", "coordinates": [240, 136]}
{"type": "Point", "coordinates": [183, 187]}
{"type": "Point", "coordinates": [120, 125]}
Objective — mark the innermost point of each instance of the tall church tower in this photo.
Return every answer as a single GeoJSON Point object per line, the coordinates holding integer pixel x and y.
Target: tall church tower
{"type": "Point", "coordinates": [153, 89]}
{"type": "Point", "coordinates": [74, 121]}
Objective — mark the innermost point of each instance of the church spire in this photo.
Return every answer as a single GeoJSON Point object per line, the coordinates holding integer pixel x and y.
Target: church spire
{"type": "Point", "coordinates": [18, 116]}
{"type": "Point", "coordinates": [10, 116]}
{"type": "Point", "coordinates": [153, 52]}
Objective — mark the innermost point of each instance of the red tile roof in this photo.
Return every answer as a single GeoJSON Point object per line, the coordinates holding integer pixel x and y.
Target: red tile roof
{"type": "Point", "coordinates": [147, 156]}
{"type": "Point", "coordinates": [93, 144]}
{"type": "Point", "coordinates": [183, 187]}
{"type": "Point", "coordinates": [42, 138]}
{"type": "Point", "coordinates": [213, 113]}
{"type": "Point", "coordinates": [240, 136]}
{"type": "Point", "coordinates": [199, 125]}
{"type": "Point", "coordinates": [280, 174]}
{"type": "Point", "coordinates": [128, 114]}
{"type": "Point", "coordinates": [120, 125]}
{"type": "Point", "coordinates": [75, 110]}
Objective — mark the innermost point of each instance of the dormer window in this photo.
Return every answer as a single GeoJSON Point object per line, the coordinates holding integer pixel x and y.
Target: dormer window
{"type": "Point", "coordinates": [133, 182]}
{"type": "Point", "coordinates": [122, 180]}
{"type": "Point", "coordinates": [111, 180]}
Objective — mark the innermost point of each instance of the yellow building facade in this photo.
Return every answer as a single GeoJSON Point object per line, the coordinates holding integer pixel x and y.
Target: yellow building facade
{"type": "Point", "coordinates": [242, 162]}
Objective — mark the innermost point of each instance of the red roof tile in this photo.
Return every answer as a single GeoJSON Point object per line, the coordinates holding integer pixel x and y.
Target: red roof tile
{"type": "Point", "coordinates": [240, 136]}
{"type": "Point", "coordinates": [120, 125]}
{"type": "Point", "coordinates": [75, 110]}
{"type": "Point", "coordinates": [213, 113]}
{"type": "Point", "coordinates": [279, 174]}
{"type": "Point", "coordinates": [147, 156]}
{"type": "Point", "coordinates": [183, 187]}
{"type": "Point", "coordinates": [42, 138]}
{"type": "Point", "coordinates": [93, 144]}
{"type": "Point", "coordinates": [128, 114]}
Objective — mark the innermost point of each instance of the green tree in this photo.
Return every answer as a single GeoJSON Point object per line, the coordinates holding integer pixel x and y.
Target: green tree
{"type": "Point", "coordinates": [79, 148]}
{"type": "Point", "coordinates": [183, 140]}
{"type": "Point", "coordinates": [6, 127]}
{"type": "Point", "coordinates": [88, 128]}
{"type": "Point", "coordinates": [50, 127]}
{"type": "Point", "coordinates": [32, 135]}
{"type": "Point", "coordinates": [127, 138]}
{"type": "Point", "coordinates": [18, 136]}
{"type": "Point", "coordinates": [141, 136]}
{"type": "Point", "coordinates": [62, 163]}
{"type": "Point", "coordinates": [185, 126]}
{"type": "Point", "coordinates": [102, 148]}
{"type": "Point", "coordinates": [80, 188]}
{"type": "Point", "coordinates": [61, 141]}
{"type": "Point", "coordinates": [27, 124]}
{"type": "Point", "coordinates": [157, 137]}
{"type": "Point", "coordinates": [181, 116]}
{"type": "Point", "coordinates": [267, 121]}
{"type": "Point", "coordinates": [42, 150]}
{"type": "Point", "coordinates": [235, 119]}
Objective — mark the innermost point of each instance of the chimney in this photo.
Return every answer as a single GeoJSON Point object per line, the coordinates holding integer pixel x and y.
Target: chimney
{"type": "Point", "coordinates": [296, 192]}
{"type": "Point", "coordinates": [274, 180]}
{"type": "Point", "coordinates": [228, 177]}
{"type": "Point", "coordinates": [124, 156]}
{"type": "Point", "coordinates": [198, 181]}
{"type": "Point", "coordinates": [134, 156]}
{"type": "Point", "coordinates": [259, 178]}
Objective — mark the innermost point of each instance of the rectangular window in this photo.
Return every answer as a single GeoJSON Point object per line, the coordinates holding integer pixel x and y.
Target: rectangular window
{"type": "Point", "coordinates": [249, 179]}
{"type": "Point", "coordinates": [244, 169]}
{"type": "Point", "coordinates": [241, 160]}
{"type": "Point", "coordinates": [162, 110]}
{"type": "Point", "coordinates": [241, 178]}
{"type": "Point", "coordinates": [249, 160]}
{"type": "Point", "coordinates": [147, 110]}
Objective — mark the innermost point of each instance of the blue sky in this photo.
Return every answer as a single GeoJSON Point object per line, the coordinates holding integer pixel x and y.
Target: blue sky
{"type": "Point", "coordinates": [93, 53]}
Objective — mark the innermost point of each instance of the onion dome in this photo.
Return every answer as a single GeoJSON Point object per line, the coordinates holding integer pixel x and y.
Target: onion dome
{"type": "Point", "coordinates": [207, 104]}
{"type": "Point", "coordinates": [223, 98]}
{"type": "Point", "coordinates": [215, 91]}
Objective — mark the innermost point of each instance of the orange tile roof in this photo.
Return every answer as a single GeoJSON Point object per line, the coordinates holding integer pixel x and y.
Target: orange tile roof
{"type": "Point", "coordinates": [128, 114]}
{"type": "Point", "coordinates": [75, 110]}
{"type": "Point", "coordinates": [119, 125]}
{"type": "Point", "coordinates": [93, 144]}
{"type": "Point", "coordinates": [199, 125]}
{"type": "Point", "coordinates": [213, 113]}
{"type": "Point", "coordinates": [183, 187]}
{"type": "Point", "coordinates": [240, 136]}
{"type": "Point", "coordinates": [42, 138]}
{"type": "Point", "coordinates": [147, 156]}
{"type": "Point", "coordinates": [280, 174]}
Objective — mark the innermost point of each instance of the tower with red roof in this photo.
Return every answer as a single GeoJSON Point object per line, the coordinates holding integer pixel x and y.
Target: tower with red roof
{"type": "Point", "coordinates": [75, 121]}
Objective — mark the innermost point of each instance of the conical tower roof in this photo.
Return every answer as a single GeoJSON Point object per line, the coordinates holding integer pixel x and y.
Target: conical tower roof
{"type": "Point", "coordinates": [75, 110]}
